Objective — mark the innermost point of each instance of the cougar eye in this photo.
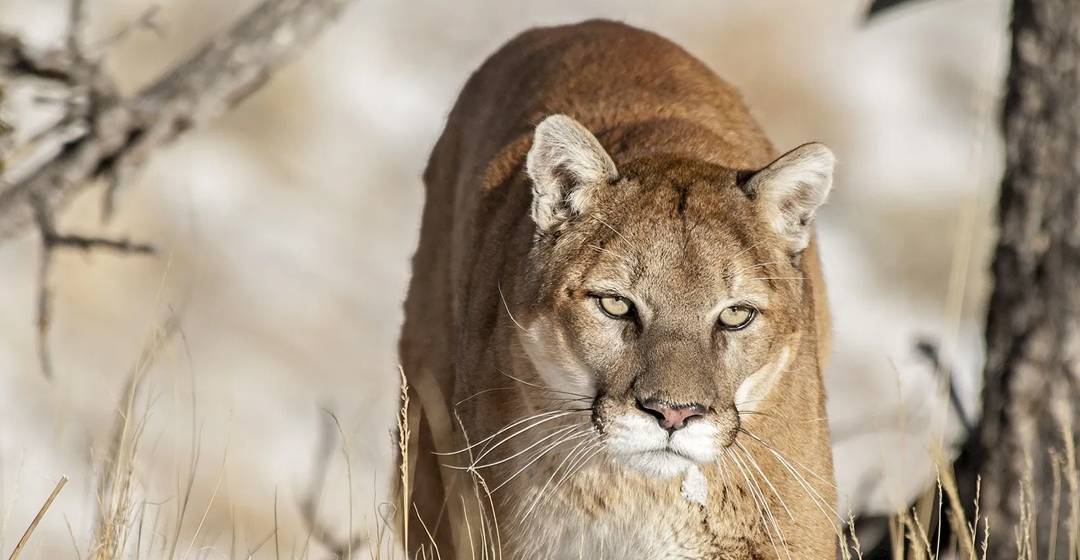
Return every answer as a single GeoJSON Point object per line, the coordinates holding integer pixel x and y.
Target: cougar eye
{"type": "Point", "coordinates": [736, 317]}
{"type": "Point", "coordinates": [615, 307]}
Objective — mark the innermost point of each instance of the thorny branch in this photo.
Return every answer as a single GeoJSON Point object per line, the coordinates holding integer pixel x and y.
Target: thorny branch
{"type": "Point", "coordinates": [104, 135]}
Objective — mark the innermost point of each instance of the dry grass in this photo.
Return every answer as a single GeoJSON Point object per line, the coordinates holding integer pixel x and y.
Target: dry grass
{"type": "Point", "coordinates": [121, 524]}
{"type": "Point", "coordinates": [125, 530]}
{"type": "Point", "coordinates": [912, 538]}
{"type": "Point", "coordinates": [120, 529]}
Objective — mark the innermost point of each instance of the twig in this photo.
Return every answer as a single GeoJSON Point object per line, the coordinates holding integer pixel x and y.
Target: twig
{"type": "Point", "coordinates": [125, 131]}
{"type": "Point", "coordinates": [50, 241]}
{"type": "Point", "coordinates": [118, 134]}
{"type": "Point", "coordinates": [44, 299]}
{"type": "Point", "coordinates": [929, 350]}
{"type": "Point", "coordinates": [147, 21]}
{"type": "Point", "coordinates": [309, 506]}
{"type": "Point", "coordinates": [90, 243]}
{"type": "Point", "coordinates": [76, 29]}
{"type": "Point", "coordinates": [37, 518]}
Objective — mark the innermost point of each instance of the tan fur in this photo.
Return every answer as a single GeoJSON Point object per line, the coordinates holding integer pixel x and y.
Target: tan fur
{"type": "Point", "coordinates": [501, 322]}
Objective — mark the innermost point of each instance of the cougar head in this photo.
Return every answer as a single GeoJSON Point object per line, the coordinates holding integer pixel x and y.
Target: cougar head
{"type": "Point", "coordinates": [667, 291]}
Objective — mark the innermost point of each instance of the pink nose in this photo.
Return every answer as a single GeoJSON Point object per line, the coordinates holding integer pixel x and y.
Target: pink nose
{"type": "Point", "coordinates": [671, 416]}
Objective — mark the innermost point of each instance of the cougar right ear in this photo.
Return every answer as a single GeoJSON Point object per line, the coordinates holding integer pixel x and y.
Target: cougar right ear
{"type": "Point", "coordinates": [566, 165]}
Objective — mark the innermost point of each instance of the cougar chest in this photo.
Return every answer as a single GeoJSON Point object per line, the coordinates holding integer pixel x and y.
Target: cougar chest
{"type": "Point", "coordinates": [605, 514]}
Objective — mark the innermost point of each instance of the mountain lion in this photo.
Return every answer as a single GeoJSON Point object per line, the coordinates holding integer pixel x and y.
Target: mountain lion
{"type": "Point", "coordinates": [616, 327]}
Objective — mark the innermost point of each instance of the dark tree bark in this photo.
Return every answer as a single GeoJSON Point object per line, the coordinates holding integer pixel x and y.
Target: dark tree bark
{"type": "Point", "coordinates": [1032, 375]}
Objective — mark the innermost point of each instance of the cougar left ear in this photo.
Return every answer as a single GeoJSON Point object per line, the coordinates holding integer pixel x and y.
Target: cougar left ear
{"type": "Point", "coordinates": [789, 191]}
{"type": "Point", "coordinates": [566, 165]}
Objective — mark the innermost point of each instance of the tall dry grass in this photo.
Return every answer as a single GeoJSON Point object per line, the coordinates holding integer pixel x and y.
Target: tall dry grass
{"type": "Point", "coordinates": [125, 529]}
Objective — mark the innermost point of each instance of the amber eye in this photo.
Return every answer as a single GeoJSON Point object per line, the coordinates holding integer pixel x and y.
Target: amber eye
{"type": "Point", "coordinates": [615, 306]}
{"type": "Point", "coordinates": [736, 317]}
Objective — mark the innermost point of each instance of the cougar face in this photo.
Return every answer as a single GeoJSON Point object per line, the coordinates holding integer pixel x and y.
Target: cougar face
{"type": "Point", "coordinates": [653, 303]}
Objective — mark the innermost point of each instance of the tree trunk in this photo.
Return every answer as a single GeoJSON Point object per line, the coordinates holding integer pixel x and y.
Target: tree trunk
{"type": "Point", "coordinates": [1032, 376]}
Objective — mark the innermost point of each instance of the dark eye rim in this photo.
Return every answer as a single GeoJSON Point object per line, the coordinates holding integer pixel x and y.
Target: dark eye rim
{"type": "Point", "coordinates": [631, 313]}
{"type": "Point", "coordinates": [746, 323]}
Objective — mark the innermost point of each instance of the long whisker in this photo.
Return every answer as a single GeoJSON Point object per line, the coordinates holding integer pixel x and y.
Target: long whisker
{"type": "Point", "coordinates": [555, 434]}
{"type": "Point", "coordinates": [577, 466]}
{"type": "Point", "coordinates": [773, 448]}
{"type": "Point", "coordinates": [542, 387]}
{"type": "Point", "coordinates": [479, 393]}
{"type": "Point", "coordinates": [534, 459]}
{"type": "Point", "coordinates": [750, 459]}
{"type": "Point", "coordinates": [617, 232]}
{"type": "Point", "coordinates": [487, 449]}
{"type": "Point", "coordinates": [546, 398]}
{"type": "Point", "coordinates": [748, 247]}
{"type": "Point", "coordinates": [507, 306]}
{"type": "Point", "coordinates": [765, 503]}
{"type": "Point", "coordinates": [540, 494]}
{"type": "Point", "coordinates": [756, 413]}
{"type": "Point", "coordinates": [751, 267]}
{"type": "Point", "coordinates": [609, 251]}
{"type": "Point", "coordinates": [550, 413]}
{"type": "Point", "coordinates": [758, 505]}
{"type": "Point", "coordinates": [814, 495]}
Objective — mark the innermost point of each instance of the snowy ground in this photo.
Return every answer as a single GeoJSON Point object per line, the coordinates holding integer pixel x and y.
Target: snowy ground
{"type": "Point", "coordinates": [286, 230]}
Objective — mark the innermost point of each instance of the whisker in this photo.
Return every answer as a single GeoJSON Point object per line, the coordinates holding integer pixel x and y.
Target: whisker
{"type": "Point", "coordinates": [812, 493]}
{"type": "Point", "coordinates": [723, 469]}
{"type": "Point", "coordinates": [750, 459]}
{"type": "Point", "coordinates": [540, 494]}
{"type": "Point", "coordinates": [555, 434]}
{"type": "Point", "coordinates": [773, 448]}
{"type": "Point", "coordinates": [609, 251]}
{"type": "Point", "coordinates": [543, 397]}
{"type": "Point", "coordinates": [577, 467]}
{"type": "Point", "coordinates": [761, 509]}
{"type": "Point", "coordinates": [748, 247]}
{"type": "Point", "coordinates": [542, 387]}
{"type": "Point", "coordinates": [756, 413]}
{"type": "Point", "coordinates": [768, 510]}
{"type": "Point", "coordinates": [507, 306]}
{"type": "Point", "coordinates": [617, 232]}
{"type": "Point", "coordinates": [751, 267]}
{"type": "Point", "coordinates": [486, 450]}
{"type": "Point", "coordinates": [478, 393]}
{"type": "Point", "coordinates": [510, 427]}
{"type": "Point", "coordinates": [534, 459]}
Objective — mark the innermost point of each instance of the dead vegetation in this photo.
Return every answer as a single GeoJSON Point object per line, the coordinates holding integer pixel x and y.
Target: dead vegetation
{"type": "Point", "coordinates": [130, 527]}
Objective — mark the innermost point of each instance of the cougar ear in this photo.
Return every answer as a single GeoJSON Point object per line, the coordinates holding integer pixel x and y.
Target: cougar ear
{"type": "Point", "coordinates": [566, 165]}
{"type": "Point", "coordinates": [789, 191]}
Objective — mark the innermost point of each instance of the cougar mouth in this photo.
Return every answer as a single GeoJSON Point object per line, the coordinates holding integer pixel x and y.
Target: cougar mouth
{"type": "Point", "coordinates": [637, 441]}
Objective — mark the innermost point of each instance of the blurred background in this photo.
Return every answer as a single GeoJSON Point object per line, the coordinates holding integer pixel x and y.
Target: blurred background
{"type": "Point", "coordinates": [285, 231]}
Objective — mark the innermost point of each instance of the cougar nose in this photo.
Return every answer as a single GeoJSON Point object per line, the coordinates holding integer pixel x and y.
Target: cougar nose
{"type": "Point", "coordinates": [671, 416]}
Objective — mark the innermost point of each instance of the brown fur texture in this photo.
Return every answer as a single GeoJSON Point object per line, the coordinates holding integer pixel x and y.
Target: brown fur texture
{"type": "Point", "coordinates": [524, 387]}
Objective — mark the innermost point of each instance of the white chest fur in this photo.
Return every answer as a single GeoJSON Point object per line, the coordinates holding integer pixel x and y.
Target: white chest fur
{"type": "Point", "coordinates": [605, 516]}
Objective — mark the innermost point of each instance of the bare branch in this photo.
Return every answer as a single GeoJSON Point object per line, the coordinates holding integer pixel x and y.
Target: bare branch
{"type": "Point", "coordinates": [147, 21]}
{"type": "Point", "coordinates": [124, 131]}
{"type": "Point", "coordinates": [17, 60]}
{"type": "Point", "coordinates": [82, 243]}
{"type": "Point", "coordinates": [50, 241]}
{"type": "Point", "coordinates": [76, 28]}
{"type": "Point", "coordinates": [44, 298]}
{"type": "Point", "coordinates": [105, 136]}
